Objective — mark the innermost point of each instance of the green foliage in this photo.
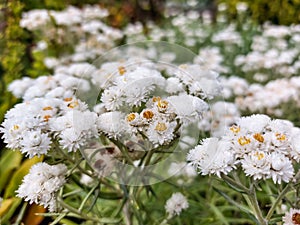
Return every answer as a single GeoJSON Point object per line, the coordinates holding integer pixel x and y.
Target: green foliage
{"type": "Point", "coordinates": [278, 11]}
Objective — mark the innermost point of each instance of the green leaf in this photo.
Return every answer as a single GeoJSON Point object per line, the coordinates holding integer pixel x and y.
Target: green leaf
{"type": "Point", "coordinates": [13, 206]}
{"type": "Point", "coordinates": [67, 222]}
{"type": "Point", "coordinates": [239, 206]}
{"type": "Point", "coordinates": [9, 161]}
{"type": "Point", "coordinates": [17, 177]}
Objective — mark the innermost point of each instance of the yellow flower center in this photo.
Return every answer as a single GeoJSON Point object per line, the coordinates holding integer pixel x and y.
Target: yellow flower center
{"type": "Point", "coordinates": [156, 99]}
{"type": "Point", "coordinates": [280, 137]}
{"type": "Point", "coordinates": [258, 137]}
{"type": "Point", "coordinates": [16, 127]}
{"type": "Point", "coordinates": [243, 141]}
{"type": "Point", "coordinates": [122, 70]}
{"type": "Point", "coordinates": [161, 126]}
{"type": "Point", "coordinates": [130, 117]}
{"type": "Point", "coordinates": [296, 218]}
{"type": "Point", "coordinates": [148, 114]}
{"type": "Point", "coordinates": [68, 99]}
{"type": "Point", "coordinates": [259, 155]}
{"type": "Point", "coordinates": [72, 105]}
{"type": "Point", "coordinates": [235, 129]}
{"type": "Point", "coordinates": [47, 108]}
{"type": "Point", "coordinates": [46, 118]}
{"type": "Point", "coordinates": [162, 104]}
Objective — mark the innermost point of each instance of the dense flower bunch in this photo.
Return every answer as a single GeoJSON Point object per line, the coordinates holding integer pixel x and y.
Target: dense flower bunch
{"type": "Point", "coordinates": [42, 183]}
{"type": "Point", "coordinates": [261, 147]}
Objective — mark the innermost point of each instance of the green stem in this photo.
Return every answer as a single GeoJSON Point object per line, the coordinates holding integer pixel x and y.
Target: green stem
{"type": "Point", "coordinates": [87, 197]}
{"type": "Point", "coordinates": [235, 183]}
{"type": "Point", "coordinates": [21, 214]}
{"type": "Point", "coordinates": [279, 198]}
{"type": "Point", "coordinates": [124, 150]}
{"type": "Point", "coordinates": [257, 211]}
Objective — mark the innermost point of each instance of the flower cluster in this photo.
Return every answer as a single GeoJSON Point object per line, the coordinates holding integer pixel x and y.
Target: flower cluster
{"type": "Point", "coordinates": [42, 183]}
{"type": "Point", "coordinates": [176, 204]}
{"type": "Point", "coordinates": [261, 147]}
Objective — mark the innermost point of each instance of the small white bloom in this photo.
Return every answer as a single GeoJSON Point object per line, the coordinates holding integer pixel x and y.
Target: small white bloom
{"type": "Point", "coordinates": [161, 132]}
{"type": "Point", "coordinates": [42, 183]}
{"type": "Point", "coordinates": [112, 124]}
{"type": "Point", "coordinates": [212, 156]}
{"type": "Point", "coordinates": [255, 123]}
{"type": "Point", "coordinates": [256, 164]}
{"type": "Point", "coordinates": [176, 204]}
{"type": "Point", "coordinates": [281, 168]}
{"type": "Point", "coordinates": [35, 143]}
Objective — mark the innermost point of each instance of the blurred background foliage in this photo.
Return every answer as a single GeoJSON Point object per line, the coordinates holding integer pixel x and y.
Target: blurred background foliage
{"type": "Point", "coordinates": [281, 12]}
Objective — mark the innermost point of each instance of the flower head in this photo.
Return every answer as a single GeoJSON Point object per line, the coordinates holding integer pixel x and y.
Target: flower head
{"type": "Point", "coordinates": [176, 204]}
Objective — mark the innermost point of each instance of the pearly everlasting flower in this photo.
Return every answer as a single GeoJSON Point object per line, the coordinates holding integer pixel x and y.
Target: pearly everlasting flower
{"type": "Point", "coordinates": [187, 108]}
{"type": "Point", "coordinates": [291, 217]}
{"type": "Point", "coordinates": [263, 148]}
{"type": "Point", "coordinates": [161, 132]}
{"type": "Point", "coordinates": [281, 168]}
{"type": "Point", "coordinates": [112, 124]}
{"type": "Point", "coordinates": [256, 164]}
{"type": "Point", "coordinates": [212, 156]}
{"type": "Point", "coordinates": [35, 143]}
{"type": "Point", "coordinates": [176, 204]}
{"type": "Point", "coordinates": [75, 128]}
{"type": "Point", "coordinates": [42, 183]}
{"type": "Point", "coordinates": [19, 87]}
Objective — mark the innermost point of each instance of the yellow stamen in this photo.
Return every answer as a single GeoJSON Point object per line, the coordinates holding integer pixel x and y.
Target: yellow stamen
{"type": "Point", "coordinates": [280, 137]}
{"type": "Point", "coordinates": [258, 137]}
{"type": "Point", "coordinates": [72, 105]}
{"type": "Point", "coordinates": [259, 155]}
{"type": "Point", "coordinates": [161, 126]}
{"type": "Point", "coordinates": [235, 129]}
{"type": "Point", "coordinates": [47, 108]}
{"type": "Point", "coordinates": [244, 141]}
{"type": "Point", "coordinates": [46, 118]}
{"type": "Point", "coordinates": [122, 70]}
{"type": "Point", "coordinates": [156, 99]}
{"type": "Point", "coordinates": [16, 127]}
{"type": "Point", "coordinates": [130, 117]}
{"type": "Point", "coordinates": [68, 99]}
{"type": "Point", "coordinates": [148, 114]}
{"type": "Point", "coordinates": [162, 104]}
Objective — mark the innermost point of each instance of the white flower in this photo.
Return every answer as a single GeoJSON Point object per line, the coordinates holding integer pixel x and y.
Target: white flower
{"type": "Point", "coordinates": [176, 204]}
{"type": "Point", "coordinates": [161, 132]}
{"type": "Point", "coordinates": [212, 156]}
{"type": "Point", "coordinates": [255, 123]}
{"type": "Point", "coordinates": [256, 164]}
{"type": "Point", "coordinates": [112, 98]}
{"type": "Point", "coordinates": [19, 87]}
{"type": "Point", "coordinates": [82, 70]}
{"type": "Point", "coordinates": [281, 168]}
{"type": "Point", "coordinates": [42, 183]}
{"type": "Point", "coordinates": [112, 124]}
{"type": "Point", "coordinates": [173, 85]}
{"type": "Point", "coordinates": [35, 143]}
{"type": "Point", "coordinates": [291, 217]}
{"type": "Point", "coordinates": [187, 108]}
{"type": "Point", "coordinates": [75, 128]}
